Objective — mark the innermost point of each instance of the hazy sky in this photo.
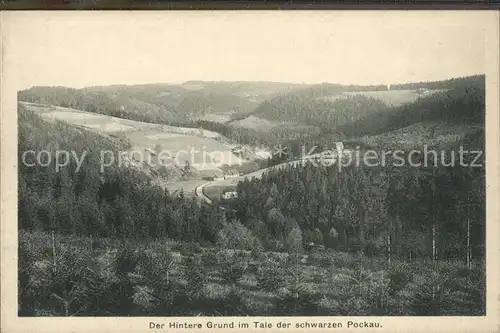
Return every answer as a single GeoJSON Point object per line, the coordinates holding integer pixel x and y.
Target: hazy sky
{"type": "Point", "coordinates": [352, 47]}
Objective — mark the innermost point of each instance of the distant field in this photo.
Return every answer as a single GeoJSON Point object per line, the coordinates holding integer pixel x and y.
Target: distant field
{"type": "Point", "coordinates": [184, 148]}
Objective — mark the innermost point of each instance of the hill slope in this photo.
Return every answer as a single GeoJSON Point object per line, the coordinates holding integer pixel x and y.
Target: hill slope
{"type": "Point", "coordinates": [178, 145]}
{"type": "Point", "coordinates": [463, 103]}
{"type": "Point", "coordinates": [356, 110]}
{"type": "Point", "coordinates": [161, 103]}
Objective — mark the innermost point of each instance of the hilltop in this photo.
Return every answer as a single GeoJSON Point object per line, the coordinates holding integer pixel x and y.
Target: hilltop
{"type": "Point", "coordinates": [160, 102]}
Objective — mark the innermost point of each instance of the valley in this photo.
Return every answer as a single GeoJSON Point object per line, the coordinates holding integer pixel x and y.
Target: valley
{"type": "Point", "coordinates": [221, 201]}
{"type": "Point", "coordinates": [198, 159]}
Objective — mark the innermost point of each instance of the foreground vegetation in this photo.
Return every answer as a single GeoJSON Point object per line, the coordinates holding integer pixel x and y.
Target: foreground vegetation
{"type": "Point", "coordinates": [83, 276]}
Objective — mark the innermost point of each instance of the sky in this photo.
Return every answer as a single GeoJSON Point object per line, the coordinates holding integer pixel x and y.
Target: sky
{"type": "Point", "coordinates": [78, 49]}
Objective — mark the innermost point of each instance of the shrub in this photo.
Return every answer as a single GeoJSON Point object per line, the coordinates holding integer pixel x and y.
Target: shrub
{"type": "Point", "coordinates": [194, 273]}
{"type": "Point", "coordinates": [126, 260]}
{"type": "Point", "coordinates": [155, 284]}
{"type": "Point", "coordinates": [270, 276]}
{"type": "Point", "coordinates": [297, 300]}
{"type": "Point", "coordinates": [400, 275]}
{"type": "Point", "coordinates": [236, 236]}
{"type": "Point", "coordinates": [361, 292]}
{"type": "Point", "coordinates": [60, 285]}
{"type": "Point", "coordinates": [449, 289]}
{"type": "Point", "coordinates": [330, 258]}
{"type": "Point", "coordinates": [324, 259]}
{"type": "Point", "coordinates": [293, 241]}
{"type": "Point", "coordinates": [156, 270]}
{"type": "Point", "coordinates": [187, 248]}
{"type": "Point", "coordinates": [277, 257]}
{"type": "Point", "coordinates": [209, 258]}
{"type": "Point", "coordinates": [26, 261]}
{"type": "Point", "coordinates": [431, 292]}
{"type": "Point", "coordinates": [343, 260]}
{"type": "Point", "coordinates": [232, 265]}
{"type": "Point", "coordinates": [227, 302]}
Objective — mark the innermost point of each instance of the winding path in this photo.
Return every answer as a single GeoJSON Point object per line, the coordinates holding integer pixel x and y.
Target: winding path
{"type": "Point", "coordinates": [199, 193]}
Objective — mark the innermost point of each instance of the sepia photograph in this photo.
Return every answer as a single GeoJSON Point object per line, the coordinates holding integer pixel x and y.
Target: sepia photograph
{"type": "Point", "coordinates": [251, 164]}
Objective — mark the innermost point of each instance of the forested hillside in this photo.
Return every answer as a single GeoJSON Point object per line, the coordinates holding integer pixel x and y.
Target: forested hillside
{"type": "Point", "coordinates": [398, 212]}
{"type": "Point", "coordinates": [463, 103]}
{"type": "Point", "coordinates": [475, 80]}
{"type": "Point", "coordinates": [119, 202]}
{"type": "Point", "coordinates": [326, 114]}
{"type": "Point", "coordinates": [349, 115]}
{"type": "Point", "coordinates": [160, 103]}
{"type": "Point", "coordinates": [178, 105]}
{"type": "Point", "coordinates": [444, 119]}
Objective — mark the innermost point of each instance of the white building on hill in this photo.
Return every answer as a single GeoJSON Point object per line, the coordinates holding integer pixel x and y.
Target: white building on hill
{"type": "Point", "coordinates": [229, 195]}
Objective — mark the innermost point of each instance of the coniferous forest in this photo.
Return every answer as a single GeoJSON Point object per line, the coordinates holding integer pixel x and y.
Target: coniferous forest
{"type": "Point", "coordinates": [301, 240]}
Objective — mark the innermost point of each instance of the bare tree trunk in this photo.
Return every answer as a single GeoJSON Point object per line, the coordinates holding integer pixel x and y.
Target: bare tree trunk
{"type": "Point", "coordinates": [434, 248]}
{"type": "Point", "coordinates": [398, 246]}
{"type": "Point", "coordinates": [388, 246]}
{"type": "Point", "coordinates": [468, 244]}
{"type": "Point", "coordinates": [437, 243]}
{"type": "Point", "coordinates": [433, 241]}
{"type": "Point", "coordinates": [54, 251]}
{"type": "Point", "coordinates": [361, 230]}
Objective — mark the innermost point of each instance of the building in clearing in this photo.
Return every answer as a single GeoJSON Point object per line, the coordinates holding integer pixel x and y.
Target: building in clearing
{"type": "Point", "coordinates": [229, 195]}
